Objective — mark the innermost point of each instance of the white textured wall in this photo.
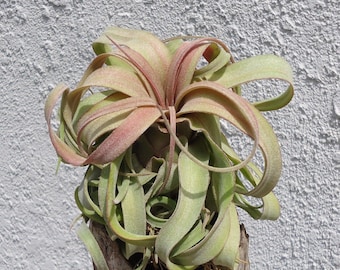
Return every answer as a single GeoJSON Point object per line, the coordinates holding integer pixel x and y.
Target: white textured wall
{"type": "Point", "coordinates": [44, 42]}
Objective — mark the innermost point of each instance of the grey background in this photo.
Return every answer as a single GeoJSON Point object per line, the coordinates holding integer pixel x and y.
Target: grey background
{"type": "Point", "coordinates": [45, 42]}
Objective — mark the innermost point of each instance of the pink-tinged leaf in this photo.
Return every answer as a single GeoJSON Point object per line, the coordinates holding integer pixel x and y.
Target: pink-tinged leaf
{"type": "Point", "coordinates": [183, 66]}
{"type": "Point", "coordinates": [117, 78]}
{"type": "Point", "coordinates": [62, 149]}
{"type": "Point", "coordinates": [207, 97]}
{"type": "Point", "coordinates": [101, 119]}
{"type": "Point", "coordinates": [87, 103]}
{"type": "Point", "coordinates": [217, 58]}
{"type": "Point", "coordinates": [150, 73]}
{"type": "Point", "coordinates": [69, 104]}
{"type": "Point", "coordinates": [124, 136]}
{"type": "Point", "coordinates": [98, 62]}
{"type": "Point", "coordinates": [211, 98]}
{"type": "Point", "coordinates": [109, 106]}
{"type": "Point", "coordinates": [146, 44]}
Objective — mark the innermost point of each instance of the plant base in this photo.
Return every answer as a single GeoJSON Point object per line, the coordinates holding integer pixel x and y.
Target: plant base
{"type": "Point", "coordinates": [116, 261]}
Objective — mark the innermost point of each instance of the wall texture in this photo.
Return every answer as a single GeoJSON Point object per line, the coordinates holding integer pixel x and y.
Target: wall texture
{"type": "Point", "coordinates": [44, 42]}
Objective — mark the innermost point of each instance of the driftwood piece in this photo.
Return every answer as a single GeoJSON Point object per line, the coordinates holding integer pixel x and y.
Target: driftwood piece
{"type": "Point", "coordinates": [243, 250]}
{"type": "Point", "coordinates": [116, 261]}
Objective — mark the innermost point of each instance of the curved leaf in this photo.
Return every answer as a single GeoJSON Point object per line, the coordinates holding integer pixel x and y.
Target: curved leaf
{"type": "Point", "coordinates": [129, 83]}
{"type": "Point", "coordinates": [194, 181]}
{"type": "Point", "coordinates": [109, 175]}
{"type": "Point", "coordinates": [133, 211]}
{"type": "Point", "coordinates": [63, 150]}
{"type": "Point", "coordinates": [90, 242]}
{"type": "Point", "coordinates": [258, 68]}
{"type": "Point", "coordinates": [223, 187]}
{"type": "Point", "coordinates": [143, 42]}
{"type": "Point", "coordinates": [123, 136]}
{"type": "Point", "coordinates": [227, 257]}
{"type": "Point", "coordinates": [271, 154]}
{"type": "Point", "coordinates": [203, 97]}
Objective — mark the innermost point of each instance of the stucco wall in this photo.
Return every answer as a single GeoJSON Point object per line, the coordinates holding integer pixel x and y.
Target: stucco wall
{"type": "Point", "coordinates": [45, 42]}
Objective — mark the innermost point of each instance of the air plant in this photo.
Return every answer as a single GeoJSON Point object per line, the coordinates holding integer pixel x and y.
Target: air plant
{"type": "Point", "coordinates": [161, 175]}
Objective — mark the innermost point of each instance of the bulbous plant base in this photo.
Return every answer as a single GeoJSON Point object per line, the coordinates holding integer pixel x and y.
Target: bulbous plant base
{"type": "Point", "coordinates": [116, 261]}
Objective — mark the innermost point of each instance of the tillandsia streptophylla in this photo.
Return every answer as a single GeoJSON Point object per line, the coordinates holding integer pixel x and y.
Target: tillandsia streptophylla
{"type": "Point", "coordinates": [162, 176]}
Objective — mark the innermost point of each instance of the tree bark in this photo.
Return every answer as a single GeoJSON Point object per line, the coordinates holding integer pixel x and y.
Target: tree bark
{"type": "Point", "coordinates": [116, 261]}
